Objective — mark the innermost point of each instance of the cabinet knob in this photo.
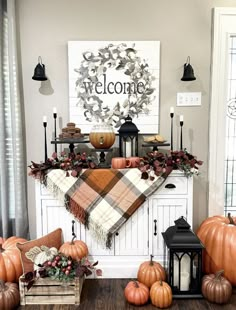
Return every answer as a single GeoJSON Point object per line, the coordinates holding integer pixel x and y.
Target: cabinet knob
{"type": "Point", "coordinates": [155, 227]}
{"type": "Point", "coordinates": [170, 185]}
{"type": "Point", "coordinates": [117, 234]}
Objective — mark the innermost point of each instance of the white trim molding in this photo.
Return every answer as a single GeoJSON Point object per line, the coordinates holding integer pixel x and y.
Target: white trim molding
{"type": "Point", "coordinates": [224, 24]}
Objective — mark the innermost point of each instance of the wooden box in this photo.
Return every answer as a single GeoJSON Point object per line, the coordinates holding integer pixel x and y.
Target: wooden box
{"type": "Point", "coordinates": [48, 291]}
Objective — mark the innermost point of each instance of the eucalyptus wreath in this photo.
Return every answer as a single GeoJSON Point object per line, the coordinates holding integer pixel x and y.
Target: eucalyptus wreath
{"type": "Point", "coordinates": [119, 57]}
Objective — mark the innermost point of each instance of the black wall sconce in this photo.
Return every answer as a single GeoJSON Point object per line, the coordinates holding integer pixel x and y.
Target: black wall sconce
{"type": "Point", "coordinates": [39, 71]}
{"type": "Point", "coordinates": [188, 71]}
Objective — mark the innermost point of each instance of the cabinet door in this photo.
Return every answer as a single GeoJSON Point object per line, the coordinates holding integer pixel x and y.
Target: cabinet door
{"type": "Point", "coordinates": [162, 214]}
{"type": "Point", "coordinates": [55, 216]}
{"type": "Point", "coordinates": [132, 238]}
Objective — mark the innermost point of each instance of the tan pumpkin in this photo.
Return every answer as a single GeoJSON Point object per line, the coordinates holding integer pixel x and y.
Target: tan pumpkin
{"type": "Point", "coordinates": [215, 288]}
{"type": "Point", "coordinates": [9, 295]}
{"type": "Point", "coordinates": [218, 235]}
{"type": "Point", "coordinates": [150, 272]}
{"type": "Point", "coordinates": [161, 294]}
{"type": "Point", "coordinates": [136, 293]}
{"type": "Point", "coordinates": [102, 136]}
{"type": "Point", "coordinates": [10, 261]}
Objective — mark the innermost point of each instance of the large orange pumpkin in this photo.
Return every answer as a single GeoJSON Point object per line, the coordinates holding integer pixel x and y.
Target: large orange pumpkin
{"type": "Point", "coordinates": [161, 294]}
{"type": "Point", "coordinates": [136, 293]}
{"type": "Point", "coordinates": [10, 262]}
{"type": "Point", "coordinates": [218, 235]}
{"type": "Point", "coordinates": [150, 272]}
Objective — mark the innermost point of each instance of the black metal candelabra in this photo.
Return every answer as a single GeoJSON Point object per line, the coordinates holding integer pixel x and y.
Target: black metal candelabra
{"type": "Point", "coordinates": [55, 129]}
{"type": "Point", "coordinates": [181, 135]}
{"type": "Point", "coordinates": [171, 132]}
{"type": "Point", "coordinates": [45, 141]}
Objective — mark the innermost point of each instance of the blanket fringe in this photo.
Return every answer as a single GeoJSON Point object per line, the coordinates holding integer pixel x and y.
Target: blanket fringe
{"type": "Point", "coordinates": [55, 190]}
{"type": "Point", "coordinates": [103, 237]}
{"type": "Point", "coordinates": [76, 210]}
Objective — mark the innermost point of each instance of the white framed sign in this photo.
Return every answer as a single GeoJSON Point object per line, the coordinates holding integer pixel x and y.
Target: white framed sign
{"type": "Point", "coordinates": [109, 80]}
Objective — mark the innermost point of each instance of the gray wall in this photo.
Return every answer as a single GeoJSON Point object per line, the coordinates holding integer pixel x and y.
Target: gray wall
{"type": "Point", "coordinates": [183, 27]}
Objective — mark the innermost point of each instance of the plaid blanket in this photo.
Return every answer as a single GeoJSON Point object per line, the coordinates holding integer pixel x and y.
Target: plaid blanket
{"type": "Point", "coordinates": [102, 199]}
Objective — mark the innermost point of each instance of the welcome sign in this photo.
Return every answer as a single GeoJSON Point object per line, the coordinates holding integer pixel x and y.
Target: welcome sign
{"type": "Point", "coordinates": [109, 80]}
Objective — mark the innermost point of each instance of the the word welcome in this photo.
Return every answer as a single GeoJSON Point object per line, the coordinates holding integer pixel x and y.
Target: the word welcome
{"type": "Point", "coordinates": [111, 87]}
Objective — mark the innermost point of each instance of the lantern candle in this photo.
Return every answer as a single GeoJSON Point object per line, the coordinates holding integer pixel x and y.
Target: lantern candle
{"type": "Point", "coordinates": [128, 152]}
{"type": "Point", "coordinates": [184, 281]}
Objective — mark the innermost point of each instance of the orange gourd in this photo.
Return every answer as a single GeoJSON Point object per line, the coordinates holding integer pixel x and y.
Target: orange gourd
{"type": "Point", "coordinates": [9, 295]}
{"type": "Point", "coordinates": [218, 235]}
{"type": "Point", "coordinates": [150, 272]}
{"type": "Point", "coordinates": [76, 249]}
{"type": "Point", "coordinates": [215, 288]}
{"type": "Point", "coordinates": [136, 293]}
{"type": "Point", "coordinates": [10, 261]}
{"type": "Point", "coordinates": [161, 294]}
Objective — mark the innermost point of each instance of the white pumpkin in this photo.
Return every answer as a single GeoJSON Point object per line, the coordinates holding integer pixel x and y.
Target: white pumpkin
{"type": "Point", "coordinates": [39, 255]}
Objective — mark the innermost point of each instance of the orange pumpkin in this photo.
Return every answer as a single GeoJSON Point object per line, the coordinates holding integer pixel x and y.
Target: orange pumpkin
{"type": "Point", "coordinates": [9, 295]}
{"type": "Point", "coordinates": [136, 293]}
{"type": "Point", "coordinates": [215, 288]}
{"type": "Point", "coordinates": [218, 235]}
{"type": "Point", "coordinates": [10, 261]}
{"type": "Point", "coordinates": [76, 249]}
{"type": "Point", "coordinates": [150, 272]}
{"type": "Point", "coordinates": [161, 294]}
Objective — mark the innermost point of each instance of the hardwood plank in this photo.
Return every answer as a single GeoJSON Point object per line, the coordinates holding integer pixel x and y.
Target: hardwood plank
{"type": "Point", "coordinates": [108, 294]}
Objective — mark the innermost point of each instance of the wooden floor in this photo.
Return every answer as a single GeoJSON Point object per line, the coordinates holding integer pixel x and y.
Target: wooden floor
{"type": "Point", "coordinates": [108, 294]}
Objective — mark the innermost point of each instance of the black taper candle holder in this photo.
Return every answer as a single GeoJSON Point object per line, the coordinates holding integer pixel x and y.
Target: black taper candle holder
{"type": "Point", "coordinates": [45, 141]}
{"type": "Point", "coordinates": [171, 131]}
{"type": "Point", "coordinates": [181, 135]}
{"type": "Point", "coordinates": [55, 130]}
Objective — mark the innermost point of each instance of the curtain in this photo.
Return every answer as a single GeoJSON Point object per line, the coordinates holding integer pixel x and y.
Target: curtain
{"type": "Point", "coordinates": [13, 171]}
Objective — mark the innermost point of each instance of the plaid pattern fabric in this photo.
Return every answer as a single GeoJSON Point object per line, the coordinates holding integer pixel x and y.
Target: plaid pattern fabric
{"type": "Point", "coordinates": [103, 199]}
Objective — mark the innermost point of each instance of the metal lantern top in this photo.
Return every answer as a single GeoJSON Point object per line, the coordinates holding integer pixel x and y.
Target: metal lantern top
{"type": "Point", "coordinates": [181, 236]}
{"type": "Point", "coordinates": [128, 128]}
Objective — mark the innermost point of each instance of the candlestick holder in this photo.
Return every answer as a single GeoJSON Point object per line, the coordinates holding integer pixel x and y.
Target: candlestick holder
{"type": "Point", "coordinates": [55, 130]}
{"type": "Point", "coordinates": [45, 142]}
{"type": "Point", "coordinates": [181, 135]}
{"type": "Point", "coordinates": [171, 131]}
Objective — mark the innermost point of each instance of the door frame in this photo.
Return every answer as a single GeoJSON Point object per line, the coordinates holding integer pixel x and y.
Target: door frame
{"type": "Point", "coordinates": [222, 29]}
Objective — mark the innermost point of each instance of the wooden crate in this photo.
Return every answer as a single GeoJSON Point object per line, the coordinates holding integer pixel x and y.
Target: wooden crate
{"type": "Point", "coordinates": [48, 291]}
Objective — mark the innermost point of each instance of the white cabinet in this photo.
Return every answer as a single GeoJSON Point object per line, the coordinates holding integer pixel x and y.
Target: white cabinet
{"type": "Point", "coordinates": [137, 239]}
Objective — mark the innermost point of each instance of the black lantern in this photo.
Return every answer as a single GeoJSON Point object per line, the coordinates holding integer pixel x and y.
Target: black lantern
{"type": "Point", "coordinates": [128, 138]}
{"type": "Point", "coordinates": [183, 260]}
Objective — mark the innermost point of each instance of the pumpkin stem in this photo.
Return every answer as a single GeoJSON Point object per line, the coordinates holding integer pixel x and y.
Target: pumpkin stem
{"type": "Point", "coordinates": [218, 274]}
{"type": "Point", "coordinates": [136, 284]}
{"type": "Point", "coordinates": [231, 221]}
{"type": "Point", "coordinates": [161, 283]}
{"type": "Point", "coordinates": [2, 286]}
{"type": "Point", "coordinates": [151, 261]}
{"type": "Point", "coordinates": [73, 232]}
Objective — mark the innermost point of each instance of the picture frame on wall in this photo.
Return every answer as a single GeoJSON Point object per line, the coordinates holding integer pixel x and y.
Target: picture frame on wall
{"type": "Point", "coordinates": [109, 80]}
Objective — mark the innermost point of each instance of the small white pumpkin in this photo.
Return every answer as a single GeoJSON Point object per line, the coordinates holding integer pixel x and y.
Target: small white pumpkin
{"type": "Point", "coordinates": [39, 255]}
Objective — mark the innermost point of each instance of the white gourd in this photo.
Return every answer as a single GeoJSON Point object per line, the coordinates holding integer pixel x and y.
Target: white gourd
{"type": "Point", "coordinates": [46, 254]}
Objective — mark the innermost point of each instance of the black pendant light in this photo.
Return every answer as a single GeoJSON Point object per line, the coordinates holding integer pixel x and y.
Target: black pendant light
{"type": "Point", "coordinates": [188, 71]}
{"type": "Point", "coordinates": [39, 71]}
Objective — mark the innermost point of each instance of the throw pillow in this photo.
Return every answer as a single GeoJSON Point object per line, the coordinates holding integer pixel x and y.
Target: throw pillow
{"type": "Point", "coordinates": [53, 239]}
